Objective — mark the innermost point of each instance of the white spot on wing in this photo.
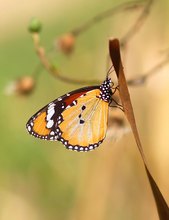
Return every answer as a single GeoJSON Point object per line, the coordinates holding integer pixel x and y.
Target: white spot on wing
{"type": "Point", "coordinates": [68, 107]}
{"type": "Point", "coordinates": [29, 128]}
{"type": "Point", "coordinates": [52, 133]}
{"type": "Point", "coordinates": [50, 114]}
{"type": "Point", "coordinates": [91, 147]}
{"type": "Point", "coordinates": [50, 124]}
{"type": "Point", "coordinates": [51, 105]}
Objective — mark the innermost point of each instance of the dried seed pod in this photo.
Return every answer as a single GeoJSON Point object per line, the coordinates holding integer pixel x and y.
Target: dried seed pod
{"type": "Point", "coordinates": [21, 86]}
{"type": "Point", "coordinates": [66, 43]}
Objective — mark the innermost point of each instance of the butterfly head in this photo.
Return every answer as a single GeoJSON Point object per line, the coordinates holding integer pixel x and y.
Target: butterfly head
{"type": "Point", "coordinates": [105, 90]}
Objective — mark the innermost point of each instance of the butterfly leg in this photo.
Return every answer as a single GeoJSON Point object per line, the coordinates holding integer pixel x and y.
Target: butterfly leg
{"type": "Point", "coordinates": [115, 104]}
{"type": "Point", "coordinates": [115, 89]}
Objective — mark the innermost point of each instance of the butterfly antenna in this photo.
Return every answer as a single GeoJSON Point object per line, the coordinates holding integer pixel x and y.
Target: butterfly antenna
{"type": "Point", "coordinates": [109, 72]}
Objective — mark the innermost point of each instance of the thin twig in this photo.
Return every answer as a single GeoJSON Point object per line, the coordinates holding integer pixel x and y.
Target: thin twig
{"type": "Point", "coordinates": [137, 25]}
{"type": "Point", "coordinates": [108, 13]}
{"type": "Point", "coordinates": [142, 79]}
{"type": "Point", "coordinates": [50, 68]}
{"type": "Point", "coordinates": [55, 72]}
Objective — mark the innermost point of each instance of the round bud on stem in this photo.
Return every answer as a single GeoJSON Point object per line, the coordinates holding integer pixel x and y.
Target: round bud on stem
{"type": "Point", "coordinates": [35, 26]}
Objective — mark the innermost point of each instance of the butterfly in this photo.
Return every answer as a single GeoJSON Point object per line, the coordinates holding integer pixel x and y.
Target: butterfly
{"type": "Point", "coordinates": [77, 119]}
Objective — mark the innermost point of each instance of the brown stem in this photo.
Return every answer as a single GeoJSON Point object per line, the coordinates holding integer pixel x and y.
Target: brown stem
{"type": "Point", "coordinates": [137, 25]}
{"type": "Point", "coordinates": [110, 12]}
{"type": "Point", "coordinates": [51, 69]}
{"type": "Point", "coordinates": [140, 80]}
{"type": "Point", "coordinates": [57, 74]}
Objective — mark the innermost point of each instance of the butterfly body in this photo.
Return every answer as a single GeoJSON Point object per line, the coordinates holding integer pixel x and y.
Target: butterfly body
{"type": "Point", "coordinates": [77, 119]}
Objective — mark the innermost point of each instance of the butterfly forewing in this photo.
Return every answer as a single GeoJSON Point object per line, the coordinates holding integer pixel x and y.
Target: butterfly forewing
{"type": "Point", "coordinates": [43, 124]}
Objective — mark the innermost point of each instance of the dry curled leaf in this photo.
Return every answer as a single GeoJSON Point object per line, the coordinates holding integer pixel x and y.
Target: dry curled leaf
{"type": "Point", "coordinates": [114, 49]}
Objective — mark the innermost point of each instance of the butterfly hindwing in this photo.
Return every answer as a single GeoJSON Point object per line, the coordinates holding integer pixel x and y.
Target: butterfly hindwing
{"type": "Point", "coordinates": [83, 125]}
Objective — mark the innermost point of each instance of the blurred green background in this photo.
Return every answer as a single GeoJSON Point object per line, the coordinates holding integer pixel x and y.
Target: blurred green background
{"type": "Point", "coordinates": [42, 180]}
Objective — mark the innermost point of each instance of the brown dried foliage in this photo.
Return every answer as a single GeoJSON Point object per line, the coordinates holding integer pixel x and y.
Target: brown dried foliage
{"type": "Point", "coordinates": [114, 49]}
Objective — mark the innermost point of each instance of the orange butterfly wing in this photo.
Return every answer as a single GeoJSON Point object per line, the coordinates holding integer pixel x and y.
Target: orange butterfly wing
{"type": "Point", "coordinates": [83, 126]}
{"type": "Point", "coordinates": [77, 119]}
{"type": "Point", "coordinates": [43, 124]}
